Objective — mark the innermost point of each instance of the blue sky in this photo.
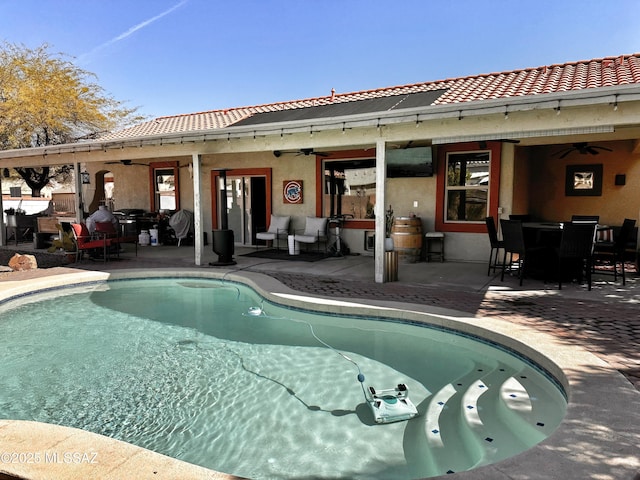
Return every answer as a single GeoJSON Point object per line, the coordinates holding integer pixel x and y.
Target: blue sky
{"type": "Point", "coordinates": [180, 56]}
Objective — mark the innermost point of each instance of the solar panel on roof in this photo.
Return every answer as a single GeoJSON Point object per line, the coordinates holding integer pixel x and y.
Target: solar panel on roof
{"type": "Point", "coordinates": [370, 105]}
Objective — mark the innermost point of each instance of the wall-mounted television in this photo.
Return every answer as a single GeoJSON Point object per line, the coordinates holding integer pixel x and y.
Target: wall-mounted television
{"type": "Point", "coordinates": [409, 162]}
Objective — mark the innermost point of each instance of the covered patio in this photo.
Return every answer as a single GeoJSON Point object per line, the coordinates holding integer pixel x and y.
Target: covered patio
{"type": "Point", "coordinates": [488, 145]}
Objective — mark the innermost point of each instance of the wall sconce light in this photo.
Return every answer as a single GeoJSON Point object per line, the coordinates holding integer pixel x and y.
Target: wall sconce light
{"type": "Point", "coordinates": [621, 179]}
{"type": "Point", "coordinates": [86, 178]}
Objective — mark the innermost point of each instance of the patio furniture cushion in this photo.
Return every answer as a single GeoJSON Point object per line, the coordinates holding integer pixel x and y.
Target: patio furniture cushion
{"type": "Point", "coordinates": [278, 227]}
{"type": "Point", "coordinates": [314, 230]}
{"type": "Point", "coordinates": [84, 241]}
{"type": "Point", "coordinates": [604, 234]}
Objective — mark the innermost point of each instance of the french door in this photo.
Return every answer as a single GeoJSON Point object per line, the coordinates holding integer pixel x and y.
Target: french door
{"type": "Point", "coordinates": [247, 205]}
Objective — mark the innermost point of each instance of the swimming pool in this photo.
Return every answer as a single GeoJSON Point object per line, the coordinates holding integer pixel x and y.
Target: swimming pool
{"type": "Point", "coordinates": [178, 366]}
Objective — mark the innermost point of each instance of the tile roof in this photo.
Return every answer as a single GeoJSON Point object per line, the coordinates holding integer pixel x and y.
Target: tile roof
{"type": "Point", "coordinates": [597, 73]}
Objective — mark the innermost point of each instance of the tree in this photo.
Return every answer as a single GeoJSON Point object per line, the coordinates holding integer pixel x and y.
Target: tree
{"type": "Point", "coordinates": [46, 100]}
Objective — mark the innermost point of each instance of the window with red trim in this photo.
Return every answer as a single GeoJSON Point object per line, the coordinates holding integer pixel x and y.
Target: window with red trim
{"type": "Point", "coordinates": [468, 186]}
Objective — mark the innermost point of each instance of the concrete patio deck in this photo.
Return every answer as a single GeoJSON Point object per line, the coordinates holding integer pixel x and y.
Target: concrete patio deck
{"type": "Point", "coordinates": [604, 322]}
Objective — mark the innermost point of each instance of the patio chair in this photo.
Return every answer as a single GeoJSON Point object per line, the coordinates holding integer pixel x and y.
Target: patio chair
{"type": "Point", "coordinates": [278, 228]}
{"type": "Point", "coordinates": [108, 231]}
{"type": "Point", "coordinates": [608, 255]}
{"type": "Point", "coordinates": [85, 242]}
{"type": "Point", "coordinates": [576, 251]}
{"type": "Point", "coordinates": [513, 238]}
{"type": "Point", "coordinates": [496, 245]}
{"type": "Point", "coordinates": [315, 231]}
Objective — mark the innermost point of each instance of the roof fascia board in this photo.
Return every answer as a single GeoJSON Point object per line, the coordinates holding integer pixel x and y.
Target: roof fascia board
{"type": "Point", "coordinates": [584, 97]}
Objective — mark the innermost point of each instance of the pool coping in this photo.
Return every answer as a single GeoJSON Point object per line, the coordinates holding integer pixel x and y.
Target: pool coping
{"type": "Point", "coordinates": [598, 437]}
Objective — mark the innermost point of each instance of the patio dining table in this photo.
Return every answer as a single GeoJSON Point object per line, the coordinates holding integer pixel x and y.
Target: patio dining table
{"type": "Point", "coordinates": [542, 234]}
{"type": "Point", "coordinates": [541, 240]}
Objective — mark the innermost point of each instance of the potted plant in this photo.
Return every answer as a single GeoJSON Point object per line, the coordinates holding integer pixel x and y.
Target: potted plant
{"type": "Point", "coordinates": [388, 241]}
{"type": "Point", "coordinates": [65, 241]}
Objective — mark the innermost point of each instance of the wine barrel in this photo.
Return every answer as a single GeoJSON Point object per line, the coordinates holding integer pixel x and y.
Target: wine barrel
{"type": "Point", "coordinates": [407, 238]}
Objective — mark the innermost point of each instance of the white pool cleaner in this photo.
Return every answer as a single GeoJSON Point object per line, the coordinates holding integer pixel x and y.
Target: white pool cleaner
{"type": "Point", "coordinates": [391, 405]}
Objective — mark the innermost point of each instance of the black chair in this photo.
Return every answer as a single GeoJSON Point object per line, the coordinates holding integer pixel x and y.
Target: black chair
{"type": "Point", "coordinates": [513, 240]}
{"type": "Point", "coordinates": [576, 250]}
{"type": "Point", "coordinates": [585, 219]}
{"type": "Point", "coordinates": [496, 245]}
{"type": "Point", "coordinates": [609, 254]}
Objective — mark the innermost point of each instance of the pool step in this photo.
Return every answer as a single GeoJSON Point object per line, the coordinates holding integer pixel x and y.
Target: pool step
{"type": "Point", "coordinates": [523, 412]}
{"type": "Point", "coordinates": [485, 414]}
{"type": "Point", "coordinates": [446, 429]}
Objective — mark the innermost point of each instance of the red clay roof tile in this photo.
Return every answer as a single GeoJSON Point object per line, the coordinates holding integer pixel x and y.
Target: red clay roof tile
{"type": "Point", "coordinates": [597, 73]}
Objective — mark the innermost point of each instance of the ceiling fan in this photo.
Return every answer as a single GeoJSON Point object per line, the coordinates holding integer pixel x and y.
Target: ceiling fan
{"type": "Point", "coordinates": [582, 148]}
{"type": "Point", "coordinates": [303, 151]}
{"type": "Point", "coordinates": [126, 162]}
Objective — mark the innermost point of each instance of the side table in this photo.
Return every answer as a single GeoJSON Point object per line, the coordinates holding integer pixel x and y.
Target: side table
{"type": "Point", "coordinates": [433, 239]}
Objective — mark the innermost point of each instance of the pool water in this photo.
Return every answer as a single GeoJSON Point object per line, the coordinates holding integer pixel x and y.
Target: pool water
{"type": "Point", "coordinates": [181, 367]}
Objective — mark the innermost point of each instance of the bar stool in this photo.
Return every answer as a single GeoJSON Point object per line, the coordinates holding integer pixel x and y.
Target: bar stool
{"type": "Point", "coordinates": [434, 239]}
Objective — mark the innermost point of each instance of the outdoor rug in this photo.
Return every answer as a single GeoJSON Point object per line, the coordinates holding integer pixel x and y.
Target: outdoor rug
{"type": "Point", "coordinates": [283, 254]}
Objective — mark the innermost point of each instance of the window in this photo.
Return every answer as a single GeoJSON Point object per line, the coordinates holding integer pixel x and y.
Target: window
{"type": "Point", "coordinates": [349, 188]}
{"type": "Point", "coordinates": [467, 186]}
{"type": "Point", "coordinates": [164, 187]}
{"type": "Point", "coordinates": [459, 198]}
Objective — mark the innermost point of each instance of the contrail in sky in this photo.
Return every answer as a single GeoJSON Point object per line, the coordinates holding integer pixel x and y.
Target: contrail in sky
{"type": "Point", "coordinates": [131, 31]}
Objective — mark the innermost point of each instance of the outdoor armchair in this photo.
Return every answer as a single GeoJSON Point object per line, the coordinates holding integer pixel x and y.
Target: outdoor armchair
{"type": "Point", "coordinates": [278, 228]}
{"type": "Point", "coordinates": [314, 232]}
{"type": "Point", "coordinates": [85, 242]}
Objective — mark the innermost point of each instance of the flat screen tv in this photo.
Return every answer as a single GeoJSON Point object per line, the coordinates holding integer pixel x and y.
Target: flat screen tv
{"type": "Point", "coordinates": [409, 162]}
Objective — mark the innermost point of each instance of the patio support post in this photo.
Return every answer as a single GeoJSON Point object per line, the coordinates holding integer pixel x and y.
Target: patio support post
{"type": "Point", "coordinates": [77, 197]}
{"type": "Point", "coordinates": [381, 174]}
{"type": "Point", "coordinates": [3, 230]}
{"type": "Point", "coordinates": [197, 208]}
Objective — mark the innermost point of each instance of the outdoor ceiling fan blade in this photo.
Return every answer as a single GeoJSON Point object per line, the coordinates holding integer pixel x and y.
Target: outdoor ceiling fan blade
{"type": "Point", "coordinates": [564, 152]}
